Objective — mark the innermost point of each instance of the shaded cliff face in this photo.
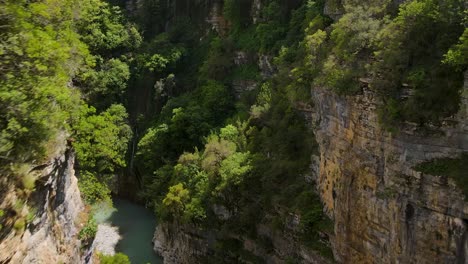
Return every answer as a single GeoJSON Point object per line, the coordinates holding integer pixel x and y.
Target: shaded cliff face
{"type": "Point", "coordinates": [180, 244]}
{"type": "Point", "coordinates": [52, 236]}
{"type": "Point", "coordinates": [384, 211]}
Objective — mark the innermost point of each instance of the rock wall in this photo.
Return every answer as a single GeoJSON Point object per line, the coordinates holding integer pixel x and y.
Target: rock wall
{"type": "Point", "coordinates": [186, 245]}
{"type": "Point", "coordinates": [384, 211]}
{"type": "Point", "coordinates": [52, 236]}
{"type": "Point", "coordinates": [181, 244]}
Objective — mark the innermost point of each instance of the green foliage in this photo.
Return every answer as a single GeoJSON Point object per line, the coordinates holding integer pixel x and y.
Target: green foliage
{"type": "Point", "coordinates": [195, 211]}
{"type": "Point", "coordinates": [183, 30]}
{"type": "Point", "coordinates": [263, 101]}
{"type": "Point", "coordinates": [41, 52]}
{"type": "Point", "coordinates": [93, 189]}
{"type": "Point", "coordinates": [292, 260]}
{"type": "Point", "coordinates": [183, 124]}
{"type": "Point", "coordinates": [343, 80]}
{"type": "Point", "coordinates": [29, 182]}
{"type": "Point", "coordinates": [195, 174]}
{"type": "Point", "coordinates": [19, 224]}
{"type": "Point", "coordinates": [234, 11]}
{"type": "Point", "coordinates": [230, 132]}
{"type": "Point", "coordinates": [19, 206]}
{"type": "Point", "coordinates": [216, 150]}
{"type": "Point", "coordinates": [24, 174]}
{"type": "Point", "coordinates": [454, 168]}
{"type": "Point", "coordinates": [2, 213]}
{"type": "Point", "coordinates": [216, 100]}
{"type": "Point", "coordinates": [110, 81]}
{"type": "Point", "coordinates": [156, 62]}
{"type": "Point", "coordinates": [313, 221]}
{"type": "Point", "coordinates": [151, 16]}
{"type": "Point", "coordinates": [219, 61]}
{"type": "Point", "coordinates": [232, 170]}
{"type": "Point", "coordinates": [176, 199]}
{"type": "Point", "coordinates": [88, 232]}
{"type": "Point", "coordinates": [118, 258]}
{"type": "Point", "coordinates": [245, 39]}
{"type": "Point", "coordinates": [210, 174]}
{"type": "Point", "coordinates": [103, 28]}
{"type": "Point", "coordinates": [246, 72]}
{"type": "Point", "coordinates": [352, 37]}
{"type": "Point", "coordinates": [31, 214]}
{"type": "Point", "coordinates": [410, 50]}
{"type": "Point", "coordinates": [271, 28]}
{"type": "Point", "coordinates": [414, 56]}
{"type": "Point", "coordinates": [101, 140]}
{"type": "Point", "coordinates": [36, 62]}
{"type": "Point", "coordinates": [458, 54]}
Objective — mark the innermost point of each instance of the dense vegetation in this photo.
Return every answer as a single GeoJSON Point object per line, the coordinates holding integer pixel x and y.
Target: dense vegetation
{"type": "Point", "coordinates": [157, 81]}
{"type": "Point", "coordinates": [63, 74]}
{"type": "Point", "coordinates": [454, 168]}
{"type": "Point", "coordinates": [214, 162]}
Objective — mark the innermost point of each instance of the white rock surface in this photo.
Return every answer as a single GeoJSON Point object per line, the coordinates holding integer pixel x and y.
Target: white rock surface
{"type": "Point", "coordinates": [106, 239]}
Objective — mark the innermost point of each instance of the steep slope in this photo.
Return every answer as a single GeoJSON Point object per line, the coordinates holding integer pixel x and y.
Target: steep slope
{"type": "Point", "coordinates": [52, 236]}
{"type": "Point", "coordinates": [384, 210]}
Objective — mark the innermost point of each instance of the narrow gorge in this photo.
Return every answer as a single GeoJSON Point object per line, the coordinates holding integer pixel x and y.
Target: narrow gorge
{"type": "Point", "coordinates": [234, 131]}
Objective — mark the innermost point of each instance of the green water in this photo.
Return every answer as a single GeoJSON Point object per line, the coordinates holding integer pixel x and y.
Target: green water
{"type": "Point", "coordinates": [136, 226]}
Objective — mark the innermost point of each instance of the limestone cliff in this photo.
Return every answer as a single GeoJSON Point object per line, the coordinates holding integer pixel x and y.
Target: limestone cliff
{"type": "Point", "coordinates": [179, 244]}
{"type": "Point", "coordinates": [384, 211]}
{"type": "Point", "coordinates": [51, 237]}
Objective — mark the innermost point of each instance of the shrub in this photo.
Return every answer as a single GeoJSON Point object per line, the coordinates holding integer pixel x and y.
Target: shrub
{"type": "Point", "coordinates": [20, 224]}
{"type": "Point", "coordinates": [118, 258]}
{"type": "Point", "coordinates": [88, 232]}
{"type": "Point", "coordinates": [92, 189]}
{"type": "Point", "coordinates": [31, 214]}
{"type": "Point", "coordinates": [25, 176]}
{"type": "Point", "coordinates": [29, 181]}
{"type": "Point", "coordinates": [454, 168]}
{"type": "Point", "coordinates": [2, 213]}
{"type": "Point", "coordinates": [410, 50]}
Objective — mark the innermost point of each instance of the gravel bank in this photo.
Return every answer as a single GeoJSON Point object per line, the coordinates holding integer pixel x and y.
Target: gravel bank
{"type": "Point", "coordinates": [106, 239]}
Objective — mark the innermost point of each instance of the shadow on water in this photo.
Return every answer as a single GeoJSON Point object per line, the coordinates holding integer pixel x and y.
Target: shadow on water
{"type": "Point", "coordinates": [136, 226]}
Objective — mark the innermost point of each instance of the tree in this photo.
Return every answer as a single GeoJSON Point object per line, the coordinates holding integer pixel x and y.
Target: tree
{"type": "Point", "coordinates": [352, 37]}
{"type": "Point", "coordinates": [233, 169]}
{"type": "Point", "coordinates": [108, 81]}
{"type": "Point", "coordinates": [176, 199]}
{"type": "Point", "coordinates": [410, 51]}
{"type": "Point", "coordinates": [103, 29]}
{"type": "Point", "coordinates": [216, 150]}
{"type": "Point", "coordinates": [219, 61]}
{"type": "Point", "coordinates": [271, 28]}
{"type": "Point", "coordinates": [39, 51]}
{"type": "Point", "coordinates": [92, 189]}
{"type": "Point", "coordinates": [101, 140]}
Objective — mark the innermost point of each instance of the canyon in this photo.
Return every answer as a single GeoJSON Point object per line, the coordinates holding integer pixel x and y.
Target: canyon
{"type": "Point", "coordinates": [381, 207]}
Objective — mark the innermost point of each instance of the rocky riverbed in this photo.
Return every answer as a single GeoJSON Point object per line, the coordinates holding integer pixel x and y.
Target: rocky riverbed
{"type": "Point", "coordinates": [106, 239]}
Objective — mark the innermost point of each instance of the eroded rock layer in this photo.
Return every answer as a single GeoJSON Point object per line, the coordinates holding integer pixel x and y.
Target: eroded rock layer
{"type": "Point", "coordinates": [384, 210]}
{"type": "Point", "coordinates": [52, 236]}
